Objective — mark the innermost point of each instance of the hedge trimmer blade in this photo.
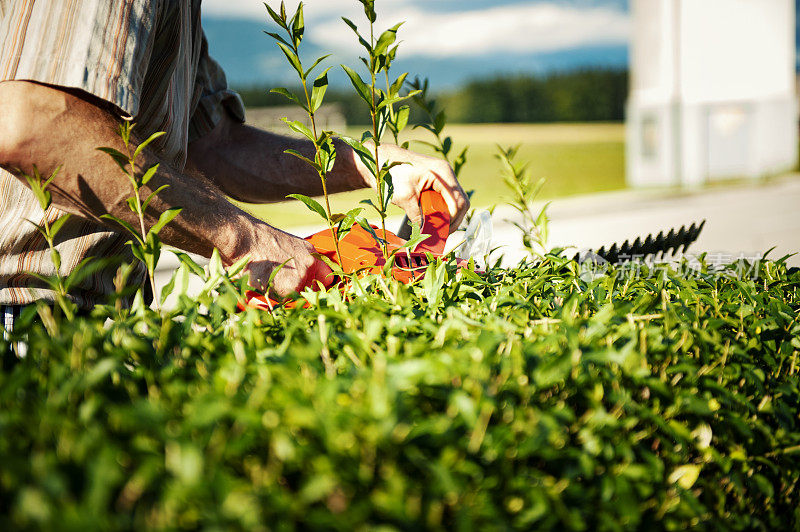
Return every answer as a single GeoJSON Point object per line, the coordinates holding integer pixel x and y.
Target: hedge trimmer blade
{"type": "Point", "coordinates": [659, 246]}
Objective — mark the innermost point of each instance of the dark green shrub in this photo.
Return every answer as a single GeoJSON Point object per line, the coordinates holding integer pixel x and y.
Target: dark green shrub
{"type": "Point", "coordinates": [528, 398]}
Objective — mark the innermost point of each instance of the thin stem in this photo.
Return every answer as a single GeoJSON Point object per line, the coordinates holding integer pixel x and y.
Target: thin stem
{"type": "Point", "coordinates": [140, 214]}
{"type": "Point", "coordinates": [376, 140]}
{"type": "Point", "coordinates": [395, 132]}
{"type": "Point", "coordinates": [322, 174]}
{"type": "Point", "coordinates": [62, 290]}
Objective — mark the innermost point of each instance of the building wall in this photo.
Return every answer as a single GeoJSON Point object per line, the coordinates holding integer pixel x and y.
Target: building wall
{"type": "Point", "coordinates": [735, 50]}
{"type": "Point", "coordinates": [712, 91]}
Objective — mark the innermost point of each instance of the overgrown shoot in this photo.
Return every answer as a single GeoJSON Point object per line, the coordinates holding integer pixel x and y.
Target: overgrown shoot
{"type": "Point", "coordinates": [58, 283]}
{"type": "Point", "coordinates": [435, 122]}
{"type": "Point", "coordinates": [310, 101]}
{"type": "Point", "coordinates": [517, 178]}
{"type": "Point", "coordinates": [144, 243]}
{"type": "Point", "coordinates": [380, 54]}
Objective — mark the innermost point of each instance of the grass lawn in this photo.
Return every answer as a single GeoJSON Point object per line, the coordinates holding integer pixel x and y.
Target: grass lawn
{"type": "Point", "coordinates": [574, 158]}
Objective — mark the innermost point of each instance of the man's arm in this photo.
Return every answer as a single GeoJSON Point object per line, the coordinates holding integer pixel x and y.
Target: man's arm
{"type": "Point", "coordinates": [49, 127]}
{"type": "Point", "coordinates": [250, 165]}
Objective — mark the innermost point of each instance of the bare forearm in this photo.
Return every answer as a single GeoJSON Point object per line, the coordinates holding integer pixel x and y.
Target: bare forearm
{"type": "Point", "coordinates": [64, 130]}
{"type": "Point", "coordinates": [251, 165]}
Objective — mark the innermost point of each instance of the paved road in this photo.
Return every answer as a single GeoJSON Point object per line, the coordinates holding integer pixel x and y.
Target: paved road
{"type": "Point", "coordinates": [741, 220]}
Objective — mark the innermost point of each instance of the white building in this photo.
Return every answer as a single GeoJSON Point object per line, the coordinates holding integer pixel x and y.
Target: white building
{"type": "Point", "coordinates": [712, 91]}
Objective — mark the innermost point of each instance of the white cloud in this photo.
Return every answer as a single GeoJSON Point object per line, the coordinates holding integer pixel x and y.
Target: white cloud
{"type": "Point", "coordinates": [314, 9]}
{"type": "Point", "coordinates": [532, 28]}
{"type": "Point", "coordinates": [233, 8]}
{"type": "Point", "coordinates": [521, 28]}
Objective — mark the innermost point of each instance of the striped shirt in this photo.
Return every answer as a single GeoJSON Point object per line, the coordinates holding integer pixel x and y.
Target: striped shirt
{"type": "Point", "coordinates": [149, 58]}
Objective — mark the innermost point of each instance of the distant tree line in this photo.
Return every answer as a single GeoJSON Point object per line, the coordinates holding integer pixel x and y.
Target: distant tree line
{"type": "Point", "coordinates": [577, 96]}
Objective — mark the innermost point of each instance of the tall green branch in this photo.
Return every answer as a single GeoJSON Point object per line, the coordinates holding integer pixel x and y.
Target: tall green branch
{"type": "Point", "coordinates": [145, 244]}
{"type": "Point", "coordinates": [58, 283]}
{"type": "Point", "coordinates": [380, 55]}
{"type": "Point", "coordinates": [310, 101]}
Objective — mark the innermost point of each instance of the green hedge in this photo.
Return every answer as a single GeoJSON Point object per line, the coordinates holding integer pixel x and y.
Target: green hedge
{"type": "Point", "coordinates": [531, 398]}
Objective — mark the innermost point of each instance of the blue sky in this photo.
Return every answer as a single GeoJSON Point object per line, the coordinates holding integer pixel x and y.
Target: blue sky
{"type": "Point", "coordinates": [447, 40]}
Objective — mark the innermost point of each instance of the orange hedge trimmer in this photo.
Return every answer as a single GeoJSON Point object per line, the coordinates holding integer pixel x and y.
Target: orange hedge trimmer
{"type": "Point", "coordinates": [361, 252]}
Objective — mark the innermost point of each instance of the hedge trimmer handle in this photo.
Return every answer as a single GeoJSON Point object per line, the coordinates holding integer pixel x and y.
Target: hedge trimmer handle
{"type": "Point", "coordinates": [435, 222]}
{"type": "Point", "coordinates": [360, 252]}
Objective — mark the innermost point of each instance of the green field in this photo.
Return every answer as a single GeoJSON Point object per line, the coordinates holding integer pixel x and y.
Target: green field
{"type": "Point", "coordinates": [574, 159]}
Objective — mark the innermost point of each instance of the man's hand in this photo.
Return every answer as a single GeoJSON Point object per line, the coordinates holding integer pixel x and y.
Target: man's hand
{"type": "Point", "coordinates": [269, 248]}
{"type": "Point", "coordinates": [417, 174]}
